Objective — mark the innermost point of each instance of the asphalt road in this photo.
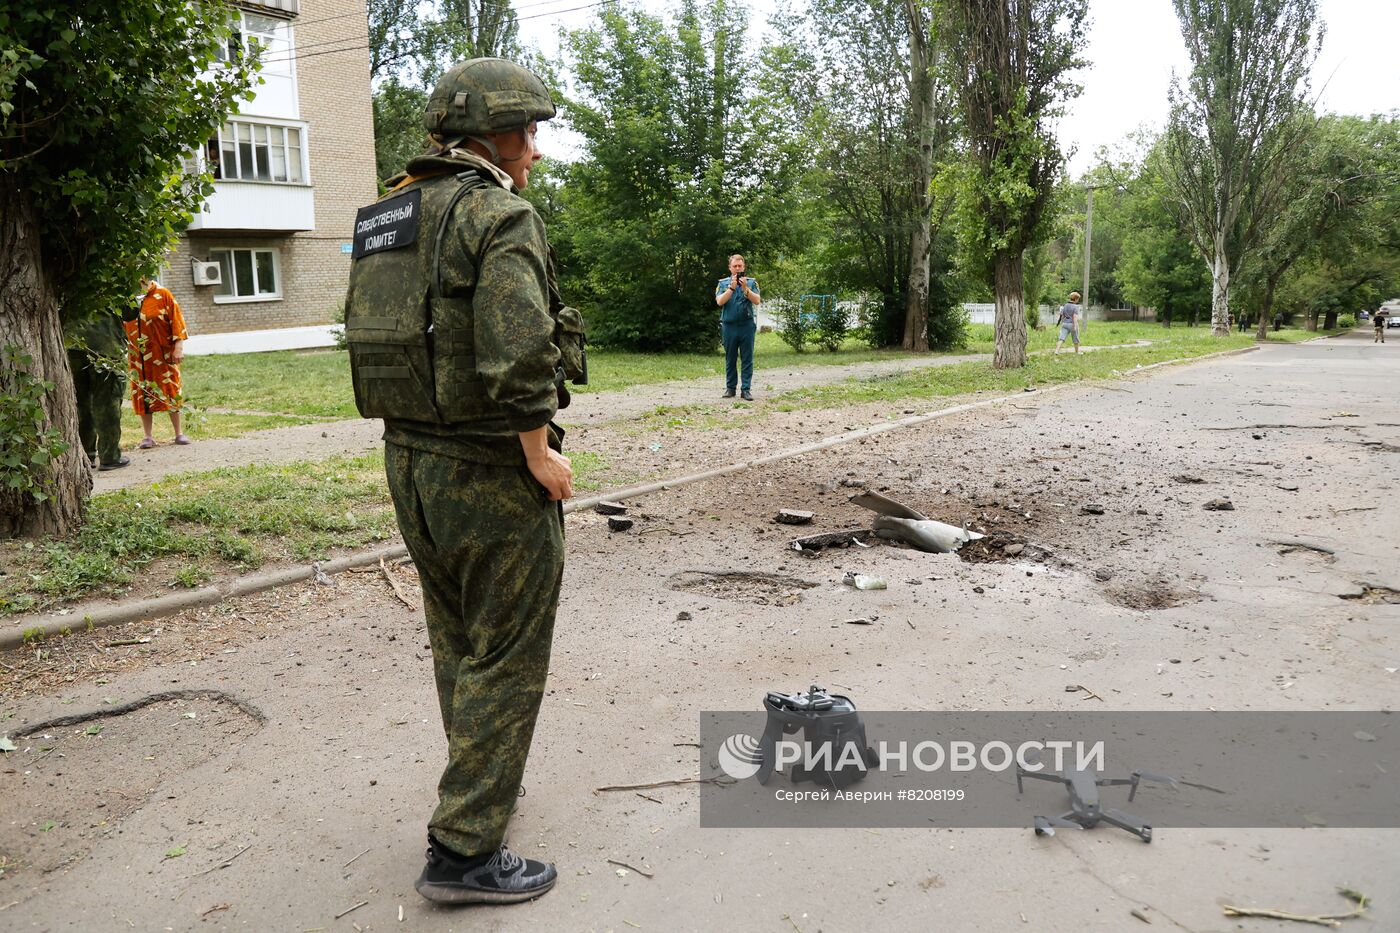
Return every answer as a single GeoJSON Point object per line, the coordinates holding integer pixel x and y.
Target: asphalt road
{"type": "Point", "coordinates": [321, 807]}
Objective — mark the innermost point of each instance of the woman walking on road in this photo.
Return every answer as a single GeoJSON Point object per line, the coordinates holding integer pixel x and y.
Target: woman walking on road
{"type": "Point", "coordinates": [1068, 320]}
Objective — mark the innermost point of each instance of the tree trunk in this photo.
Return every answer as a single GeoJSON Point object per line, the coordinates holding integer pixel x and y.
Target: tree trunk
{"type": "Point", "coordinates": [1010, 352]}
{"type": "Point", "coordinates": [1310, 320]}
{"type": "Point", "coordinates": [29, 320]}
{"type": "Point", "coordinates": [1220, 291]}
{"type": "Point", "coordinates": [1330, 321]}
{"type": "Point", "coordinates": [1266, 313]}
{"type": "Point", "coordinates": [921, 178]}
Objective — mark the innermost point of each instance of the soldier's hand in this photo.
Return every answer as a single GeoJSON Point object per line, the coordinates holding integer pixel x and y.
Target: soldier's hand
{"type": "Point", "coordinates": [554, 472]}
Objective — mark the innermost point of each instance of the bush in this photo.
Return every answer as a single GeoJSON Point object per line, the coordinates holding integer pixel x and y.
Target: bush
{"type": "Point", "coordinates": [869, 329]}
{"type": "Point", "coordinates": [28, 443]}
{"type": "Point", "coordinates": [1346, 320]}
{"type": "Point", "coordinates": [788, 315]}
{"type": "Point", "coordinates": [831, 325]}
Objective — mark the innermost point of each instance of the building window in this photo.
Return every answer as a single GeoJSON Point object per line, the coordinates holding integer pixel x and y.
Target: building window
{"type": "Point", "coordinates": [247, 275]}
{"type": "Point", "coordinates": [256, 152]}
{"type": "Point", "coordinates": [267, 35]}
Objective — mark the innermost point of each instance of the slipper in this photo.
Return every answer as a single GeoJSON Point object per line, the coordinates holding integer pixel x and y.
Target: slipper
{"type": "Point", "coordinates": [181, 439]}
{"type": "Point", "coordinates": [147, 443]}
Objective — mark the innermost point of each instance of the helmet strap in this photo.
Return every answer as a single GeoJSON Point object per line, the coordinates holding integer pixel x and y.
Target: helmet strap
{"type": "Point", "coordinates": [489, 146]}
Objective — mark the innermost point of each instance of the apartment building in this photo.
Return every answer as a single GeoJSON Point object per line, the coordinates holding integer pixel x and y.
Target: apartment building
{"type": "Point", "coordinates": [290, 170]}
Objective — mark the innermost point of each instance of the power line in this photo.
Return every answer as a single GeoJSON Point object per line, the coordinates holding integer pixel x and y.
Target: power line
{"type": "Point", "coordinates": [299, 53]}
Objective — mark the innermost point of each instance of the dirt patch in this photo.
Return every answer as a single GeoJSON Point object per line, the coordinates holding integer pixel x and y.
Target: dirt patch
{"type": "Point", "coordinates": [765, 589]}
{"type": "Point", "coordinates": [1372, 595]}
{"type": "Point", "coordinates": [72, 781]}
{"type": "Point", "coordinates": [1150, 594]}
{"type": "Point", "coordinates": [1000, 546]}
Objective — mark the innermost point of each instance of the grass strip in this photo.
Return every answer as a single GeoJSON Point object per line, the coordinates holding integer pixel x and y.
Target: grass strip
{"type": "Point", "coordinates": [191, 527]}
{"type": "Point", "coordinates": [979, 376]}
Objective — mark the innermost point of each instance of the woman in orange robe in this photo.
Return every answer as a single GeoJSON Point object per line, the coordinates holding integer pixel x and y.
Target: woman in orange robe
{"type": "Point", "coordinates": [156, 347]}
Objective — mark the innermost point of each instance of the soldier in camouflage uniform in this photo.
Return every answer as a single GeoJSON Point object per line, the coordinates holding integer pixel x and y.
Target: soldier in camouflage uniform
{"type": "Point", "coordinates": [97, 356]}
{"type": "Point", "coordinates": [455, 332]}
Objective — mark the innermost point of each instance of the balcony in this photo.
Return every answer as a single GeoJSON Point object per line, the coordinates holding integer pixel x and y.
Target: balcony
{"type": "Point", "coordinates": [283, 7]}
{"type": "Point", "coordinates": [257, 206]}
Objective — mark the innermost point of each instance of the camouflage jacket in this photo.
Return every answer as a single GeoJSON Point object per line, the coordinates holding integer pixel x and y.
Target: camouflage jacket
{"type": "Point", "coordinates": [495, 262]}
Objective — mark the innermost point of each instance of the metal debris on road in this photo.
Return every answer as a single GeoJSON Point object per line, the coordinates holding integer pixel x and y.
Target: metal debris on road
{"type": "Point", "coordinates": [898, 522]}
{"type": "Point", "coordinates": [865, 581]}
{"type": "Point", "coordinates": [836, 539]}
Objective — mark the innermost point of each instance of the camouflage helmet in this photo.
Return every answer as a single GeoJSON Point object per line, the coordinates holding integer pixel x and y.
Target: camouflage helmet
{"type": "Point", "coordinates": [486, 95]}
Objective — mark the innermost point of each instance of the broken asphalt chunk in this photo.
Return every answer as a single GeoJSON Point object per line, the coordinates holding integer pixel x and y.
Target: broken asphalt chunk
{"type": "Point", "coordinates": [606, 507]}
{"type": "Point", "coordinates": [616, 523]}
{"type": "Point", "coordinates": [1219, 505]}
{"type": "Point", "coordinates": [1091, 508]}
{"type": "Point", "coordinates": [794, 517]}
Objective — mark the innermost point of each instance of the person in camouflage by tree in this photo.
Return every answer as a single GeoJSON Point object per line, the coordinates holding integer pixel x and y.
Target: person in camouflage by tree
{"type": "Point", "coordinates": [96, 351]}
{"type": "Point", "coordinates": [454, 329]}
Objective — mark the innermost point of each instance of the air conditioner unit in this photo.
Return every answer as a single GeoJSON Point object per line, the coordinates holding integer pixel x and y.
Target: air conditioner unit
{"type": "Point", "coordinates": [206, 273]}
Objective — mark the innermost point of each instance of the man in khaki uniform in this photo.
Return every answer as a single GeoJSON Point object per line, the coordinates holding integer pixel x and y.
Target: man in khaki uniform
{"type": "Point", "coordinates": [455, 334]}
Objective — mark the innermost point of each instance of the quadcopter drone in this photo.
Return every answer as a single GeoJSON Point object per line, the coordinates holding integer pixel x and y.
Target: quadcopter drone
{"type": "Point", "coordinates": [1085, 812]}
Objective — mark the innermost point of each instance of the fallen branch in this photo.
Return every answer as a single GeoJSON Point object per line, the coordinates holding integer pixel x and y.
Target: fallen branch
{"type": "Point", "coordinates": [349, 909]}
{"type": "Point", "coordinates": [224, 864]}
{"type": "Point", "coordinates": [347, 864]}
{"type": "Point", "coordinates": [655, 784]}
{"type": "Point", "coordinates": [384, 568]}
{"type": "Point", "coordinates": [1324, 920]}
{"type": "Point", "coordinates": [644, 874]}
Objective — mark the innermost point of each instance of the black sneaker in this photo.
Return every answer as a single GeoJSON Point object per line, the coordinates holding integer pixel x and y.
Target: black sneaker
{"type": "Point", "coordinates": [116, 465]}
{"type": "Point", "coordinates": [499, 878]}
{"type": "Point", "coordinates": [746, 395]}
{"type": "Point", "coordinates": [728, 393]}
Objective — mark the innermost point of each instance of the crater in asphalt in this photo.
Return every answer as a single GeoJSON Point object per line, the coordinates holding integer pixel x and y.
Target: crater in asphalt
{"type": "Point", "coordinates": [1150, 594]}
{"type": "Point", "coordinates": [766, 589]}
{"type": "Point", "coordinates": [1372, 594]}
{"type": "Point", "coordinates": [72, 781]}
{"type": "Point", "coordinates": [1000, 546]}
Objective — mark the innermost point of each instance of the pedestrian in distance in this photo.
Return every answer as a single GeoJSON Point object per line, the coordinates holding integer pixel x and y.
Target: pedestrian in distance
{"type": "Point", "coordinates": [156, 346]}
{"type": "Point", "coordinates": [459, 341]}
{"type": "Point", "coordinates": [96, 351]}
{"type": "Point", "coordinates": [737, 295]}
{"type": "Point", "coordinates": [1068, 318]}
{"type": "Point", "coordinates": [1378, 321]}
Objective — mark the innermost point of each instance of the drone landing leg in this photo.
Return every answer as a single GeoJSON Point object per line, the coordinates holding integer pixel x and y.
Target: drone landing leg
{"type": "Point", "coordinates": [1126, 821]}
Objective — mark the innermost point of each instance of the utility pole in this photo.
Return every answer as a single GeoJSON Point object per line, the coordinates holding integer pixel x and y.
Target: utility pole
{"type": "Point", "coordinates": [1088, 248]}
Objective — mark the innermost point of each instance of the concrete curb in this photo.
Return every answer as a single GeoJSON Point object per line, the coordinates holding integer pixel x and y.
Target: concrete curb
{"type": "Point", "coordinates": [95, 616]}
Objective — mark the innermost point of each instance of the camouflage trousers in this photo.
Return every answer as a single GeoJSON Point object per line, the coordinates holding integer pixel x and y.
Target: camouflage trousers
{"type": "Point", "coordinates": [100, 393]}
{"type": "Point", "coordinates": [489, 549]}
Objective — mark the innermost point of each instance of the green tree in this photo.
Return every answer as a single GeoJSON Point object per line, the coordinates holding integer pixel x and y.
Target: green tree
{"type": "Point", "coordinates": [1011, 60]}
{"type": "Point", "coordinates": [1234, 121]}
{"type": "Point", "coordinates": [1159, 266]}
{"type": "Point", "coordinates": [99, 106]}
{"type": "Point", "coordinates": [677, 173]}
{"type": "Point", "coordinates": [858, 85]}
{"type": "Point", "coordinates": [1328, 196]}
